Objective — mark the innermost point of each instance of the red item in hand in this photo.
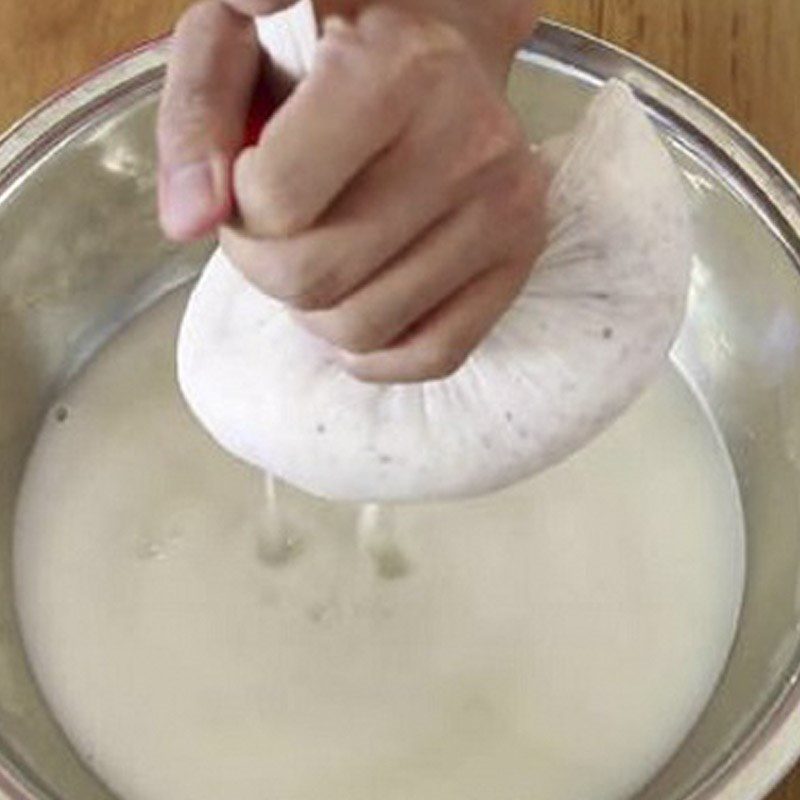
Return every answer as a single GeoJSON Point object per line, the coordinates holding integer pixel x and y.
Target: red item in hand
{"type": "Point", "coordinates": [262, 107]}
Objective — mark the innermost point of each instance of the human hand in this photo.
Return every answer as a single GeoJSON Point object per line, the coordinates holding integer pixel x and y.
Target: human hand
{"type": "Point", "coordinates": [392, 201]}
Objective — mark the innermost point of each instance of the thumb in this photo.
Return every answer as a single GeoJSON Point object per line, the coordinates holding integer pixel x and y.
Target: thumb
{"type": "Point", "coordinates": [212, 74]}
{"type": "Point", "coordinates": [258, 8]}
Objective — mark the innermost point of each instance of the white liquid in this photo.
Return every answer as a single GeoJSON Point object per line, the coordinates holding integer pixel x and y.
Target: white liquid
{"type": "Point", "coordinates": [276, 539]}
{"type": "Point", "coordinates": [551, 642]}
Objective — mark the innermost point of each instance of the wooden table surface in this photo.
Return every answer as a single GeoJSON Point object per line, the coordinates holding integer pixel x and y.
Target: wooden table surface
{"type": "Point", "coordinates": [743, 54]}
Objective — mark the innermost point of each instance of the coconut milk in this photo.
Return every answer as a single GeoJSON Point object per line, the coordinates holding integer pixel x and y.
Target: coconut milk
{"type": "Point", "coordinates": [555, 640]}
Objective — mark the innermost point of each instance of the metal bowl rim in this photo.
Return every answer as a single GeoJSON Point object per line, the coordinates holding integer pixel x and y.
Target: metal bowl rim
{"type": "Point", "coordinates": [769, 753]}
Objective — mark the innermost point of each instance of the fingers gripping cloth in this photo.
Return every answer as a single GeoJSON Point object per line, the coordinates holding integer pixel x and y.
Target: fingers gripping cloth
{"type": "Point", "coordinates": [590, 329]}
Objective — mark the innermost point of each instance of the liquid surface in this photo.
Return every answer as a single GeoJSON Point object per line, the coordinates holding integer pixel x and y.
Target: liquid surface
{"type": "Point", "coordinates": [555, 640]}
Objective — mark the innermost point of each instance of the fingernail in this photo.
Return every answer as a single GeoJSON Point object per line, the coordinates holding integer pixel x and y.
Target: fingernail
{"type": "Point", "coordinates": [334, 25]}
{"type": "Point", "coordinates": [189, 200]}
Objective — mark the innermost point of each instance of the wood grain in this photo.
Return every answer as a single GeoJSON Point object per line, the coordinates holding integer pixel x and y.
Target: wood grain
{"type": "Point", "coordinates": [743, 54]}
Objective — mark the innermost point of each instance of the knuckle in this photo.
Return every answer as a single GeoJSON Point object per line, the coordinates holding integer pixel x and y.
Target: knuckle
{"type": "Point", "coordinates": [250, 196]}
{"type": "Point", "coordinates": [291, 272]}
{"type": "Point", "coordinates": [314, 293]}
{"type": "Point", "coordinates": [405, 60]}
{"type": "Point", "coordinates": [353, 331]}
{"type": "Point", "coordinates": [419, 46]}
{"type": "Point", "coordinates": [495, 134]}
{"type": "Point", "coordinates": [260, 262]}
{"type": "Point", "coordinates": [285, 282]}
{"type": "Point", "coordinates": [280, 217]}
{"type": "Point", "coordinates": [389, 102]}
{"type": "Point", "coordinates": [522, 197]}
{"type": "Point", "coordinates": [266, 210]}
{"type": "Point", "coordinates": [361, 369]}
{"type": "Point", "coordinates": [434, 55]}
{"type": "Point", "coordinates": [251, 259]}
{"type": "Point", "coordinates": [423, 39]}
{"type": "Point", "coordinates": [293, 283]}
{"type": "Point", "coordinates": [336, 51]}
{"type": "Point", "coordinates": [491, 134]}
{"type": "Point", "coordinates": [381, 99]}
{"type": "Point", "coordinates": [512, 208]}
{"type": "Point", "coordinates": [440, 358]}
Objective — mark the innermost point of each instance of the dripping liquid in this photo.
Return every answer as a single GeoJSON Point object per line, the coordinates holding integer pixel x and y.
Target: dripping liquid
{"type": "Point", "coordinates": [278, 542]}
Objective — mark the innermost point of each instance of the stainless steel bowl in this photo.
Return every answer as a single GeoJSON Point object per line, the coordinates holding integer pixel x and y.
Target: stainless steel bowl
{"type": "Point", "coordinates": [80, 253]}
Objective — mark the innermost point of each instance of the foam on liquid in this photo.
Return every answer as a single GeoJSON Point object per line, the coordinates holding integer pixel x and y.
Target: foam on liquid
{"type": "Point", "coordinates": [556, 640]}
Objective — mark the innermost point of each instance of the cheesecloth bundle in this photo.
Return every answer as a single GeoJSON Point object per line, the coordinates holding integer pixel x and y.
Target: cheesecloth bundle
{"type": "Point", "coordinates": [590, 329]}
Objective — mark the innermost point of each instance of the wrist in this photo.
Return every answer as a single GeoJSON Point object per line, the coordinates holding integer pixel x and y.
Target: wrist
{"type": "Point", "coordinates": [496, 28]}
